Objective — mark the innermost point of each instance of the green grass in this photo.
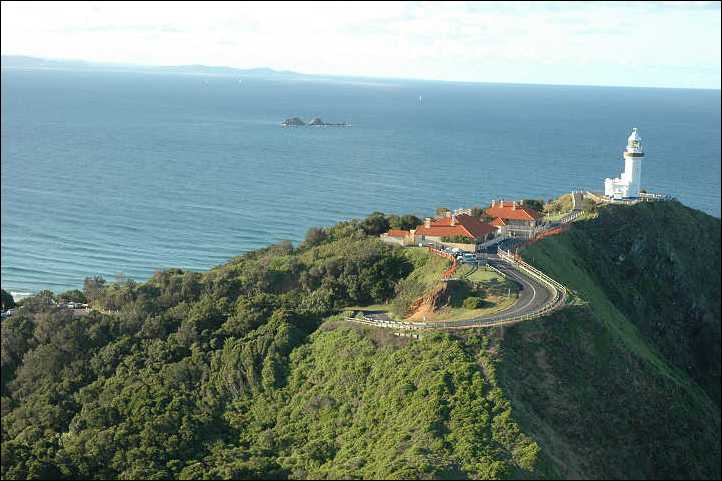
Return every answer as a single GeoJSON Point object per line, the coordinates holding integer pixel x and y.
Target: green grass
{"type": "Point", "coordinates": [600, 384]}
{"type": "Point", "coordinates": [497, 292]}
{"type": "Point", "coordinates": [555, 216]}
{"type": "Point", "coordinates": [494, 304]}
{"type": "Point", "coordinates": [428, 267]}
{"type": "Point", "coordinates": [559, 207]}
{"type": "Point", "coordinates": [558, 257]}
{"type": "Point", "coordinates": [554, 256]}
{"type": "Point", "coordinates": [480, 275]}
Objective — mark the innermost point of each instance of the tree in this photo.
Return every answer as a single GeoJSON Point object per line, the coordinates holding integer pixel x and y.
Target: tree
{"type": "Point", "coordinates": [473, 302]}
{"type": "Point", "coordinates": [441, 211]}
{"type": "Point", "coordinates": [314, 237]}
{"type": "Point", "coordinates": [93, 287]}
{"type": "Point", "coordinates": [406, 222]}
{"type": "Point", "coordinates": [375, 224]}
{"type": "Point", "coordinates": [74, 295]}
{"type": "Point", "coordinates": [7, 300]}
{"type": "Point", "coordinates": [41, 301]}
{"type": "Point", "coordinates": [536, 204]}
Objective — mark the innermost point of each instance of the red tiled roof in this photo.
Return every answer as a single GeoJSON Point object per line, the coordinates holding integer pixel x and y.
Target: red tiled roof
{"type": "Point", "coordinates": [442, 231]}
{"type": "Point", "coordinates": [498, 222]}
{"type": "Point", "coordinates": [466, 225]}
{"type": "Point", "coordinates": [397, 233]}
{"type": "Point", "coordinates": [506, 210]}
{"type": "Point", "coordinates": [441, 221]}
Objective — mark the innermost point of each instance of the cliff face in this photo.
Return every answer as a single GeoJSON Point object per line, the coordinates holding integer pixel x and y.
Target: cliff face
{"type": "Point", "coordinates": [659, 264]}
{"type": "Point", "coordinates": [626, 384]}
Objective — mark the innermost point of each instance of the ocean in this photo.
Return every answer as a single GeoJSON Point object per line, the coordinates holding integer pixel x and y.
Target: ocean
{"type": "Point", "coordinates": [109, 172]}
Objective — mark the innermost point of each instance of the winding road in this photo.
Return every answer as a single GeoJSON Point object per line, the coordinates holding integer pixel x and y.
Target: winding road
{"type": "Point", "coordinates": [538, 296]}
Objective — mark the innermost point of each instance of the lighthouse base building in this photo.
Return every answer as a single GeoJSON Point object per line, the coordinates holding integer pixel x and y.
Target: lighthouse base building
{"type": "Point", "coordinates": [627, 185]}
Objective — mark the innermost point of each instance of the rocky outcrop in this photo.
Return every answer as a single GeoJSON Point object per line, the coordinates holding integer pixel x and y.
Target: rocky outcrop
{"type": "Point", "coordinates": [293, 122]}
{"type": "Point", "coordinates": [314, 122]}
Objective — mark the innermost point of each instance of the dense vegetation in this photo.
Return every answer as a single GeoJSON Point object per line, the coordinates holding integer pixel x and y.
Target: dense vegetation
{"type": "Point", "coordinates": [245, 372]}
{"type": "Point", "coordinates": [7, 300]}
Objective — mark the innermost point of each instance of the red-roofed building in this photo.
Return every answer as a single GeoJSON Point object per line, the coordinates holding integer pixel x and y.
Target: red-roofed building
{"type": "Point", "coordinates": [452, 225]}
{"type": "Point", "coordinates": [459, 226]}
{"type": "Point", "coordinates": [398, 236]}
{"type": "Point", "coordinates": [498, 222]}
{"type": "Point", "coordinates": [398, 233]}
{"type": "Point", "coordinates": [512, 218]}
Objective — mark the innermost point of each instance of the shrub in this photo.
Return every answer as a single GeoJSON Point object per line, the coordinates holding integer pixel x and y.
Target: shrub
{"type": "Point", "coordinates": [536, 204]}
{"type": "Point", "coordinates": [75, 295]}
{"type": "Point", "coordinates": [375, 224]}
{"type": "Point", "coordinates": [473, 302]}
{"type": "Point", "coordinates": [314, 237]}
{"type": "Point", "coordinates": [404, 222]}
{"type": "Point", "coordinates": [7, 300]}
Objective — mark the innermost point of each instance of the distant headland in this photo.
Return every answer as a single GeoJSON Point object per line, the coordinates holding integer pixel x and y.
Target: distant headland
{"type": "Point", "coordinates": [314, 122]}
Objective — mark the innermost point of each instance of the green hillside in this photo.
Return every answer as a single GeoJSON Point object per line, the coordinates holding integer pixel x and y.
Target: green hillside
{"type": "Point", "coordinates": [248, 372]}
{"type": "Point", "coordinates": [626, 386]}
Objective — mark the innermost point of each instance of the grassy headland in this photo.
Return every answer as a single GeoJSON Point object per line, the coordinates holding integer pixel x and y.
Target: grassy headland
{"type": "Point", "coordinates": [246, 371]}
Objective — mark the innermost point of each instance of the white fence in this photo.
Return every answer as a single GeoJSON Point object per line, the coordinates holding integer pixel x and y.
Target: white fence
{"type": "Point", "coordinates": [533, 271]}
{"type": "Point", "coordinates": [570, 217]}
{"type": "Point", "coordinates": [389, 323]}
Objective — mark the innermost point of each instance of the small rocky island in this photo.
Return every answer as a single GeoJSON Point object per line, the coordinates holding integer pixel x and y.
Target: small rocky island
{"type": "Point", "coordinates": [314, 122]}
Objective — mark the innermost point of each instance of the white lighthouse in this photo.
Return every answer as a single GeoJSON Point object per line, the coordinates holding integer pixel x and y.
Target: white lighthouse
{"type": "Point", "coordinates": [627, 185]}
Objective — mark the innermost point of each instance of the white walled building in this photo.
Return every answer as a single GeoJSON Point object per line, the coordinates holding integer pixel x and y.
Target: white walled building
{"type": "Point", "coordinates": [628, 184]}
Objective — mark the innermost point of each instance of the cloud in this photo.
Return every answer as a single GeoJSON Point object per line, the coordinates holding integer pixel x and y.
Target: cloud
{"type": "Point", "coordinates": [494, 41]}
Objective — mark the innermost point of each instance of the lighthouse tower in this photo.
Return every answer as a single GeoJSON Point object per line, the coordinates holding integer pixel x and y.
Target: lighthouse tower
{"type": "Point", "coordinates": [628, 184]}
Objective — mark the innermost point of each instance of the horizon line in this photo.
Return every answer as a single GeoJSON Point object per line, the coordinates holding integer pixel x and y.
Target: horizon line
{"type": "Point", "coordinates": [320, 75]}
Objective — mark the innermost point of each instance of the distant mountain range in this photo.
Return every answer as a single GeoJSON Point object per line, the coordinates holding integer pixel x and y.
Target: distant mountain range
{"type": "Point", "coordinates": [21, 61]}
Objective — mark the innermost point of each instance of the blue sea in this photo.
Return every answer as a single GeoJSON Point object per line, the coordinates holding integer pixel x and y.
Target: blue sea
{"type": "Point", "coordinates": [108, 172]}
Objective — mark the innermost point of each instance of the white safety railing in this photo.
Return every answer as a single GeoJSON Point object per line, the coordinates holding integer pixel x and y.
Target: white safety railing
{"type": "Point", "coordinates": [498, 271]}
{"type": "Point", "coordinates": [388, 323]}
{"type": "Point", "coordinates": [510, 258]}
{"type": "Point", "coordinates": [570, 217]}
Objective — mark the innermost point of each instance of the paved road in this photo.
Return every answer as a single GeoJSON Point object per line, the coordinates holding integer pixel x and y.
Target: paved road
{"type": "Point", "coordinates": [534, 296]}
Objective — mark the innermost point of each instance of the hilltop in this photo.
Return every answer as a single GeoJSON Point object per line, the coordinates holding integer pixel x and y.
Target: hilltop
{"type": "Point", "coordinates": [249, 370]}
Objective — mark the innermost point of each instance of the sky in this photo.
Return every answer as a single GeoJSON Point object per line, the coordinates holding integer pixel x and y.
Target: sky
{"type": "Point", "coordinates": [645, 44]}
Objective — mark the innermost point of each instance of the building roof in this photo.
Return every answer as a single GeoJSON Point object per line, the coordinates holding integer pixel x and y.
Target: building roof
{"type": "Point", "coordinates": [465, 225]}
{"type": "Point", "coordinates": [505, 210]}
{"type": "Point", "coordinates": [397, 233]}
{"type": "Point", "coordinates": [498, 222]}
